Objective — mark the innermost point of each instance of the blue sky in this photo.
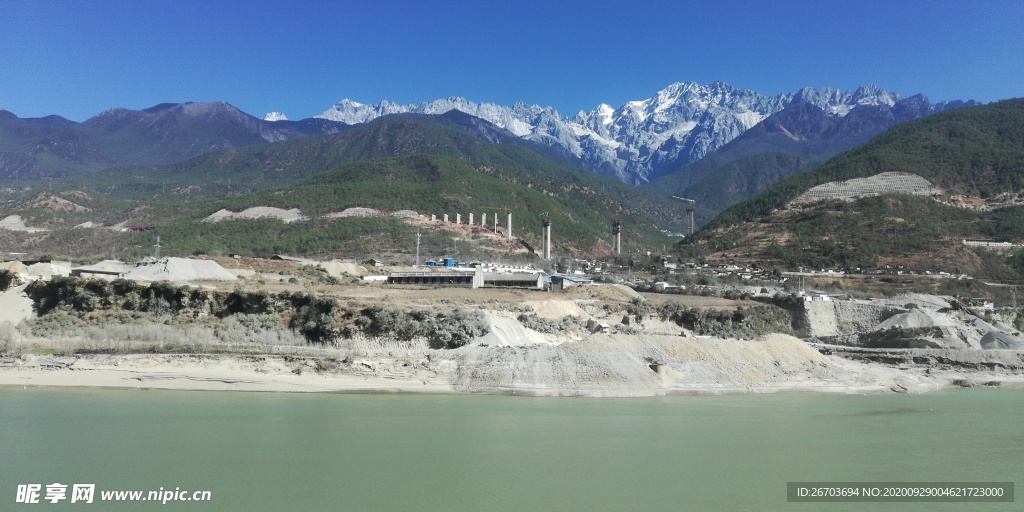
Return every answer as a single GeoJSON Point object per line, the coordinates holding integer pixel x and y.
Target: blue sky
{"type": "Point", "coordinates": [78, 58]}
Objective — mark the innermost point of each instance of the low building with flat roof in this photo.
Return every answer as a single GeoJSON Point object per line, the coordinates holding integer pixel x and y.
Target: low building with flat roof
{"type": "Point", "coordinates": [442, 277]}
{"type": "Point", "coordinates": [106, 269]}
{"type": "Point", "coordinates": [473, 278]}
{"type": "Point", "coordinates": [533, 281]}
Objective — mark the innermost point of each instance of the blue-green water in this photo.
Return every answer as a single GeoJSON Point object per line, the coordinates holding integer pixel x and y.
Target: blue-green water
{"type": "Point", "coordinates": [275, 452]}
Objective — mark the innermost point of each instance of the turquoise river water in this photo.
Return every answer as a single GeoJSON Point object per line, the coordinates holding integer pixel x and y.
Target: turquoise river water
{"type": "Point", "coordinates": [287, 452]}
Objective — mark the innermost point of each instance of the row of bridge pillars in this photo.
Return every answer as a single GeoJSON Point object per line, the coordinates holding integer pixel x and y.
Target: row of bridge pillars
{"type": "Point", "coordinates": [470, 221]}
{"type": "Point", "coordinates": [545, 236]}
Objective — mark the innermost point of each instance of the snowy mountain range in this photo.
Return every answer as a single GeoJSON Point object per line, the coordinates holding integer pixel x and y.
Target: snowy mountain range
{"type": "Point", "coordinates": [640, 140]}
{"type": "Point", "coordinates": [635, 143]}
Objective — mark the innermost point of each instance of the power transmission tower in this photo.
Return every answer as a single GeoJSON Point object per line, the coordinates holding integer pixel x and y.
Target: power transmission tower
{"type": "Point", "coordinates": [157, 247]}
{"type": "Point", "coordinates": [417, 262]}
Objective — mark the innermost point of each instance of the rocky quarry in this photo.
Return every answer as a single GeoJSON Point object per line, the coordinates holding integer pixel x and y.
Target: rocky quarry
{"type": "Point", "coordinates": [907, 321]}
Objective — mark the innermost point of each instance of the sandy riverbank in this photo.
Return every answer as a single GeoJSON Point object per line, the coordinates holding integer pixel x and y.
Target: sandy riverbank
{"type": "Point", "coordinates": [612, 366]}
{"type": "Point", "coordinates": [194, 373]}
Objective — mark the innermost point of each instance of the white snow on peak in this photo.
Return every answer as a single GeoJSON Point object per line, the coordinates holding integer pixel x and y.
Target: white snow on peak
{"type": "Point", "coordinates": [677, 125]}
{"type": "Point", "coordinates": [871, 95]}
{"type": "Point", "coordinates": [275, 116]}
{"type": "Point", "coordinates": [637, 109]}
{"type": "Point", "coordinates": [750, 119]}
{"type": "Point", "coordinates": [839, 103]}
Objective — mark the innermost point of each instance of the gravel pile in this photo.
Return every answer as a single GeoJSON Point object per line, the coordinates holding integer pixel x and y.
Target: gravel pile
{"type": "Point", "coordinates": [343, 269]}
{"type": "Point", "coordinates": [556, 309]}
{"type": "Point", "coordinates": [258, 212]}
{"type": "Point", "coordinates": [506, 331]}
{"type": "Point", "coordinates": [913, 319]}
{"type": "Point", "coordinates": [48, 270]}
{"type": "Point", "coordinates": [16, 223]}
{"type": "Point", "coordinates": [355, 212]}
{"type": "Point", "coordinates": [999, 341]}
{"type": "Point", "coordinates": [180, 269]}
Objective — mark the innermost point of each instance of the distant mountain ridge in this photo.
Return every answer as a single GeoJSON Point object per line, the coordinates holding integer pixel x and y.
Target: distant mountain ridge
{"type": "Point", "coordinates": [165, 133]}
{"type": "Point", "coordinates": [634, 143]}
{"type": "Point", "coordinates": [454, 135]}
{"type": "Point", "coordinates": [640, 140]}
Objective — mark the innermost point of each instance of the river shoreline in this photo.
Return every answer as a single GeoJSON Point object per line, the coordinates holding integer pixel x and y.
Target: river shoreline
{"type": "Point", "coordinates": [778, 364]}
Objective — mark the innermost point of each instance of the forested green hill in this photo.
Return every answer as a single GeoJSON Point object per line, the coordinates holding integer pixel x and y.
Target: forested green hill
{"type": "Point", "coordinates": [975, 151]}
{"type": "Point", "coordinates": [975, 155]}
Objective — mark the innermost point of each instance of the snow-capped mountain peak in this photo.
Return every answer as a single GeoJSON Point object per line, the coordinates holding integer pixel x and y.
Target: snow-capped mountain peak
{"type": "Point", "coordinates": [872, 95]}
{"type": "Point", "coordinates": [641, 139]}
{"type": "Point", "coordinates": [839, 103]}
{"type": "Point", "coordinates": [275, 116]}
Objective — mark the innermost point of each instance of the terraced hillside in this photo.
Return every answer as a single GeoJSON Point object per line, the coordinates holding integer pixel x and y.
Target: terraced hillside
{"type": "Point", "coordinates": [877, 185]}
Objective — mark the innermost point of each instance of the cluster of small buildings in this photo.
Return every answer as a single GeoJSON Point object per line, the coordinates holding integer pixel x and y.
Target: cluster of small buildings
{"type": "Point", "coordinates": [893, 269]}
{"type": "Point", "coordinates": [722, 270]}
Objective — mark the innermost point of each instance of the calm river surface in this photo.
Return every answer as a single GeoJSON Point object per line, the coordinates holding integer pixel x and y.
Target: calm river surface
{"type": "Point", "coordinates": [278, 452]}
